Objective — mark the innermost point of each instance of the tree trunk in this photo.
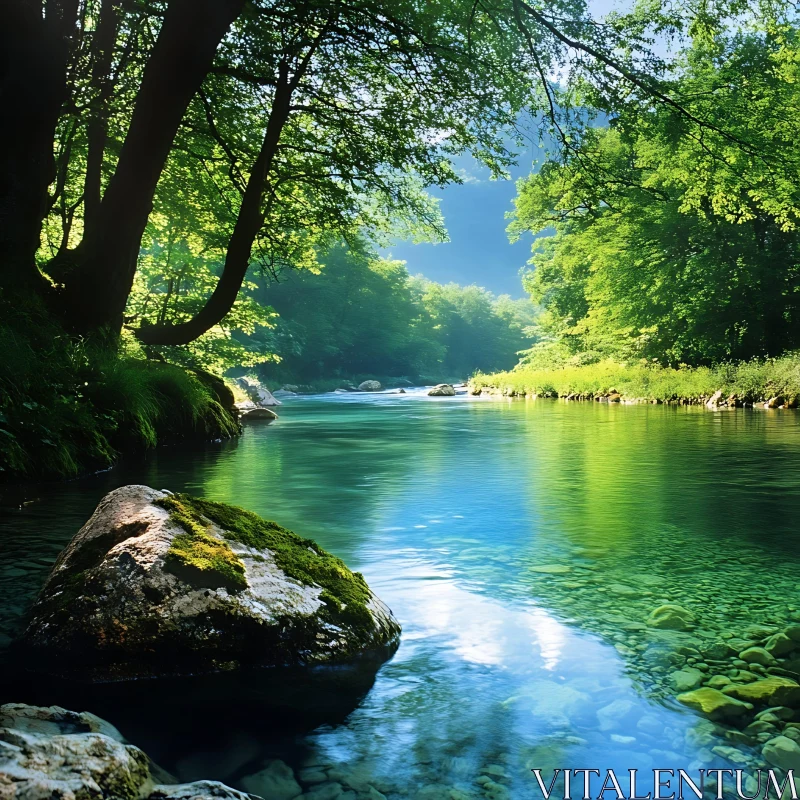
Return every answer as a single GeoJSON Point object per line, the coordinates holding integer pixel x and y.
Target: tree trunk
{"type": "Point", "coordinates": [248, 224]}
{"type": "Point", "coordinates": [97, 289]}
{"type": "Point", "coordinates": [97, 128]}
{"type": "Point", "coordinates": [34, 52]}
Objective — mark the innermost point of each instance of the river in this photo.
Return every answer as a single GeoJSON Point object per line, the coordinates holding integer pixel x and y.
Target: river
{"type": "Point", "coordinates": [521, 544]}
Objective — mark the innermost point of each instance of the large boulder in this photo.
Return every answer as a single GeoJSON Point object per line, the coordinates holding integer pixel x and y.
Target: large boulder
{"type": "Point", "coordinates": [442, 390]}
{"type": "Point", "coordinates": [257, 392]}
{"type": "Point", "coordinates": [48, 753]}
{"type": "Point", "coordinates": [369, 386]}
{"type": "Point", "coordinates": [157, 584]}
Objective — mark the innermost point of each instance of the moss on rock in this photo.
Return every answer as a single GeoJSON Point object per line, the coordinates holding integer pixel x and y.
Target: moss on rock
{"type": "Point", "coordinates": [772, 691]}
{"type": "Point", "coordinates": [199, 557]}
{"type": "Point", "coordinates": [345, 593]}
{"type": "Point", "coordinates": [714, 704]}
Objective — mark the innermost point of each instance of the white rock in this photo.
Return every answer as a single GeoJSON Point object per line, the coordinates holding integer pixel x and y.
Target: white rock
{"type": "Point", "coordinates": [257, 392]}
{"type": "Point", "coordinates": [50, 753]}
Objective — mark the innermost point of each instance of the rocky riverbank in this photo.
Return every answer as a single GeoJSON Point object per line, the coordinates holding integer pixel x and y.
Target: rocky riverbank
{"type": "Point", "coordinates": [714, 401]}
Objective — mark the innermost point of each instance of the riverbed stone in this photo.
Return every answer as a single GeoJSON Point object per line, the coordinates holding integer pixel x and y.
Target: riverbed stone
{"type": "Point", "coordinates": [757, 655]}
{"type": "Point", "coordinates": [714, 704]}
{"type": "Point", "coordinates": [442, 390]}
{"type": "Point", "coordinates": [718, 681]}
{"type": "Point", "coordinates": [778, 712]}
{"type": "Point", "coordinates": [719, 651]}
{"type": "Point", "coordinates": [369, 386]}
{"type": "Point", "coordinates": [617, 714]}
{"type": "Point", "coordinates": [772, 691]}
{"type": "Point", "coordinates": [551, 569]}
{"type": "Point", "coordinates": [793, 632]}
{"type": "Point", "coordinates": [157, 583]}
{"type": "Point", "coordinates": [779, 644]}
{"type": "Point", "coordinates": [684, 680]}
{"type": "Point", "coordinates": [730, 754]}
{"type": "Point", "coordinates": [782, 752]}
{"type": "Point", "coordinates": [49, 752]}
{"type": "Point", "coordinates": [276, 781]}
{"type": "Point", "coordinates": [671, 617]}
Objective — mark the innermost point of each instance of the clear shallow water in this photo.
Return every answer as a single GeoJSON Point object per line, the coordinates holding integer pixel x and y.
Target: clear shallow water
{"type": "Point", "coordinates": [520, 543]}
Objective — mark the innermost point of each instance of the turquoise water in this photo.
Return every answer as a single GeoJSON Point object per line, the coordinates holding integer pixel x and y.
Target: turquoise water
{"type": "Point", "coordinates": [521, 544]}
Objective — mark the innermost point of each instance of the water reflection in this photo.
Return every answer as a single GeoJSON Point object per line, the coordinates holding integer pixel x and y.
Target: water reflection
{"type": "Point", "coordinates": [521, 544]}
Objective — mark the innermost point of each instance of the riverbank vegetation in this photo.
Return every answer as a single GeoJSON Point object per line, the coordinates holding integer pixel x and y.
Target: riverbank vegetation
{"type": "Point", "coordinates": [744, 382]}
{"type": "Point", "coordinates": [69, 405]}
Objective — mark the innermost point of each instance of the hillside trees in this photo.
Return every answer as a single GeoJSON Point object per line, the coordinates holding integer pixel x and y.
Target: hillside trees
{"type": "Point", "coordinates": [365, 315]}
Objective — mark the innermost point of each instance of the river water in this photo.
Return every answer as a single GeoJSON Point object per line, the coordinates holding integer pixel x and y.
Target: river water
{"type": "Point", "coordinates": [521, 544]}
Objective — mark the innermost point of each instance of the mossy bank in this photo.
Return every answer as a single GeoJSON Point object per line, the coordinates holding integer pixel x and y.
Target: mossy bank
{"type": "Point", "coordinates": [70, 406]}
{"type": "Point", "coordinates": [158, 584]}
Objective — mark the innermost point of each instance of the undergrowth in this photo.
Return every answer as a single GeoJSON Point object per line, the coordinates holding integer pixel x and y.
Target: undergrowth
{"type": "Point", "coordinates": [70, 405]}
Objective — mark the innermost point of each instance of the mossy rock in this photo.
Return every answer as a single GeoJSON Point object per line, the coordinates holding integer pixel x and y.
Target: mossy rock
{"type": "Point", "coordinates": [772, 691]}
{"type": "Point", "coordinates": [157, 583]}
{"type": "Point", "coordinates": [715, 704]}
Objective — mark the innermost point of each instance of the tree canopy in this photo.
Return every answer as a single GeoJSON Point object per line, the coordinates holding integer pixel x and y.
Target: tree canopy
{"type": "Point", "coordinates": [267, 128]}
{"type": "Point", "coordinates": [671, 243]}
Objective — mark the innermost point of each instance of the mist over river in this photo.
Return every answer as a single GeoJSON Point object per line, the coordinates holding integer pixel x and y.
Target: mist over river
{"type": "Point", "coordinates": [521, 544]}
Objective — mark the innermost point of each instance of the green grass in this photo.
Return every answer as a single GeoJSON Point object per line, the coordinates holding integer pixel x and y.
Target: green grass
{"type": "Point", "coordinates": [69, 406]}
{"type": "Point", "coordinates": [752, 381]}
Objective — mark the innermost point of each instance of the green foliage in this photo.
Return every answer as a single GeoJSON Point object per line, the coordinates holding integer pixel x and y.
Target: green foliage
{"type": "Point", "coordinates": [178, 270]}
{"type": "Point", "coordinates": [345, 593]}
{"type": "Point", "coordinates": [365, 316]}
{"type": "Point", "coordinates": [68, 405]}
{"type": "Point", "coordinates": [752, 381]}
{"type": "Point", "coordinates": [673, 242]}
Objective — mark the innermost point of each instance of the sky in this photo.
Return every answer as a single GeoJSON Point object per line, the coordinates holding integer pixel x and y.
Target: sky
{"type": "Point", "coordinates": [474, 212]}
{"type": "Point", "coordinates": [479, 250]}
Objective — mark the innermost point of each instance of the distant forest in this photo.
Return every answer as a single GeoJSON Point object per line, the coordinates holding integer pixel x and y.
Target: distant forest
{"type": "Point", "coordinates": [364, 315]}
